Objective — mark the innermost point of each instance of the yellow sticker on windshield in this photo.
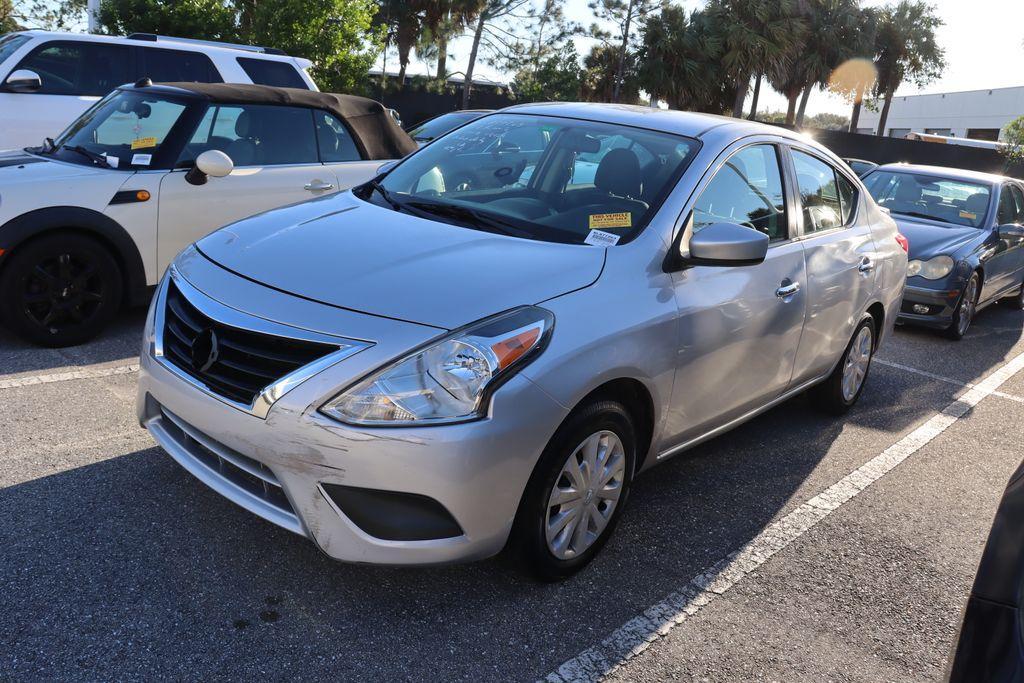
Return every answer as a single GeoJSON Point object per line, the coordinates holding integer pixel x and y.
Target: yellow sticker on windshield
{"type": "Point", "coordinates": [968, 215]}
{"type": "Point", "coordinates": [142, 143]}
{"type": "Point", "coordinates": [602, 221]}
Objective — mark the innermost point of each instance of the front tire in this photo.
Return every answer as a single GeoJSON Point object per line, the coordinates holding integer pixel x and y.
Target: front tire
{"type": "Point", "coordinates": [843, 388]}
{"type": "Point", "coordinates": [60, 289]}
{"type": "Point", "coordinates": [965, 310]}
{"type": "Point", "coordinates": [576, 493]}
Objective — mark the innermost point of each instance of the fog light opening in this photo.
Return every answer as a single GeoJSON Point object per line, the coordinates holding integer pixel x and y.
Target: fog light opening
{"type": "Point", "coordinates": [921, 309]}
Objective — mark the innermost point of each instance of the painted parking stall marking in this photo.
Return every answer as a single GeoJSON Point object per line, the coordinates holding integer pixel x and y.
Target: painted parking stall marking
{"type": "Point", "coordinates": [637, 634]}
{"type": "Point", "coordinates": [947, 380]}
{"type": "Point", "coordinates": [85, 373]}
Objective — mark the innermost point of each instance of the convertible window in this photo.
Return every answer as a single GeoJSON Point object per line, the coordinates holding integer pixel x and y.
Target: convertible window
{"type": "Point", "coordinates": [540, 177]}
{"type": "Point", "coordinates": [255, 135]}
{"type": "Point", "coordinates": [747, 190]}
{"type": "Point", "coordinates": [945, 200]}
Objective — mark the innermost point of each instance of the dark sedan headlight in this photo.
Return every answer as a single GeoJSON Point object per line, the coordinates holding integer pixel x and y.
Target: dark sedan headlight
{"type": "Point", "coordinates": [932, 269]}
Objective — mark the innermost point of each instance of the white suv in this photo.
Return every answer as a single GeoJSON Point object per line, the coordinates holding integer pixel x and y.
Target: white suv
{"type": "Point", "coordinates": [48, 79]}
{"type": "Point", "coordinates": [92, 219]}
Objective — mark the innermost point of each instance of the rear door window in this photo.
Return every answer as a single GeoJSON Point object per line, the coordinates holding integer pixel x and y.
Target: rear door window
{"type": "Point", "coordinates": [819, 193]}
{"type": "Point", "coordinates": [335, 142]}
{"type": "Point", "coordinates": [267, 72]}
{"type": "Point", "coordinates": [185, 66]}
{"type": "Point", "coordinates": [79, 68]}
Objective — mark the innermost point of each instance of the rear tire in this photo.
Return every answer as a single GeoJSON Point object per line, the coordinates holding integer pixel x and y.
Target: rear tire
{"type": "Point", "coordinates": [965, 310]}
{"type": "Point", "coordinates": [60, 289]}
{"type": "Point", "coordinates": [548, 541]}
{"type": "Point", "coordinates": [843, 388]}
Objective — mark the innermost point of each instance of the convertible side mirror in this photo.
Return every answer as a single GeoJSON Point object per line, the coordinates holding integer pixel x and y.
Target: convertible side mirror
{"type": "Point", "coordinates": [726, 244]}
{"type": "Point", "coordinates": [23, 80]}
{"type": "Point", "coordinates": [212, 163]}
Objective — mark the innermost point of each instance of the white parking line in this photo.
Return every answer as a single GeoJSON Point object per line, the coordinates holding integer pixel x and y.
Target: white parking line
{"type": "Point", "coordinates": [940, 378]}
{"type": "Point", "coordinates": [84, 373]}
{"type": "Point", "coordinates": [637, 634]}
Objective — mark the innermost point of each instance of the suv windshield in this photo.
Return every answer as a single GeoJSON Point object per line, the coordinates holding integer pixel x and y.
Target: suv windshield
{"type": "Point", "coordinates": [539, 177]}
{"type": "Point", "coordinates": [124, 130]}
{"type": "Point", "coordinates": [957, 202]}
{"type": "Point", "coordinates": [11, 42]}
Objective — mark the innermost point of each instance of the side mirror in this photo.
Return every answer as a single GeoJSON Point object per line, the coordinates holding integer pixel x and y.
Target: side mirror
{"type": "Point", "coordinates": [23, 80]}
{"type": "Point", "coordinates": [1010, 232]}
{"type": "Point", "coordinates": [212, 163]}
{"type": "Point", "coordinates": [384, 168]}
{"type": "Point", "coordinates": [727, 244]}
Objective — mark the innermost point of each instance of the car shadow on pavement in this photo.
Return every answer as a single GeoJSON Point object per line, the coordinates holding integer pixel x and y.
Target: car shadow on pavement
{"type": "Point", "coordinates": [120, 341]}
{"type": "Point", "coordinates": [129, 567]}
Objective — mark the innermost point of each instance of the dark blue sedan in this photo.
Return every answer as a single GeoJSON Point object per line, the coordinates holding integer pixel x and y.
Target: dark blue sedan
{"type": "Point", "coordinates": [966, 234]}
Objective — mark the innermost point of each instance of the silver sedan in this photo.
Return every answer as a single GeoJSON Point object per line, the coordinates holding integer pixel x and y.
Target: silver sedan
{"type": "Point", "coordinates": [482, 347]}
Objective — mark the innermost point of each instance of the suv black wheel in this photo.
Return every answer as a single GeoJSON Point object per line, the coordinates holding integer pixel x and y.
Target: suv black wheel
{"type": "Point", "coordinates": [60, 289]}
{"type": "Point", "coordinates": [840, 391]}
{"type": "Point", "coordinates": [576, 493]}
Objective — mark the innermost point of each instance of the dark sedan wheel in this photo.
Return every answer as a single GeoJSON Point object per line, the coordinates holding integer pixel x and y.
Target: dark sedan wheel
{"type": "Point", "coordinates": [964, 315]}
{"type": "Point", "coordinates": [576, 493]}
{"type": "Point", "coordinates": [60, 289]}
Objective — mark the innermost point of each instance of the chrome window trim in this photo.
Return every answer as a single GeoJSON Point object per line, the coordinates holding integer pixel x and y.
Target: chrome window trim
{"type": "Point", "coordinates": [231, 317]}
{"type": "Point", "coordinates": [857, 185]}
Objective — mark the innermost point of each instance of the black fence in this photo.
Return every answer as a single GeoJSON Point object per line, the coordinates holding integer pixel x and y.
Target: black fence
{"type": "Point", "coordinates": [419, 100]}
{"type": "Point", "coordinates": [882, 150]}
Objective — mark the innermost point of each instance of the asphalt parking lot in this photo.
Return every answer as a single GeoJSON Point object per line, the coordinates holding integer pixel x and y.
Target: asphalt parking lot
{"type": "Point", "coordinates": [858, 541]}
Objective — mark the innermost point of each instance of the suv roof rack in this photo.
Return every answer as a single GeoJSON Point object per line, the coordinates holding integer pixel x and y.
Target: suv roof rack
{"type": "Point", "coordinates": [152, 37]}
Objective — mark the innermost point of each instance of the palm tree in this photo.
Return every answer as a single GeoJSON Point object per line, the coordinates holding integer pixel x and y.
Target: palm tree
{"type": "Point", "coordinates": [907, 50]}
{"type": "Point", "coordinates": [758, 36]}
{"type": "Point", "coordinates": [442, 21]}
{"type": "Point", "coordinates": [831, 39]}
{"type": "Point", "coordinates": [680, 60]}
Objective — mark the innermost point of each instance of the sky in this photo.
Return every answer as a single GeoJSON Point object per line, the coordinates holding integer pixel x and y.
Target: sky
{"type": "Point", "coordinates": [983, 39]}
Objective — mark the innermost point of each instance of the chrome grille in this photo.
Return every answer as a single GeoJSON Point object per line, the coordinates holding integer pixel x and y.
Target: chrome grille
{"type": "Point", "coordinates": [245, 361]}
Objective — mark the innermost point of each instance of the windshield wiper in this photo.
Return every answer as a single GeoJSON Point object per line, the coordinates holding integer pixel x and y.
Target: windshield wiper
{"type": "Point", "coordinates": [88, 154]}
{"type": "Point", "coordinates": [375, 185]}
{"type": "Point", "coordinates": [476, 218]}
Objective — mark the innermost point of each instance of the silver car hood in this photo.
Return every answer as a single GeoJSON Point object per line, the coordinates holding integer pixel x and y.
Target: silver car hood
{"type": "Point", "coordinates": [349, 253]}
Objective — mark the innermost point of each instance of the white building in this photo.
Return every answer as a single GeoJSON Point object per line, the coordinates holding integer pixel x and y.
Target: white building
{"type": "Point", "coordinates": [978, 114]}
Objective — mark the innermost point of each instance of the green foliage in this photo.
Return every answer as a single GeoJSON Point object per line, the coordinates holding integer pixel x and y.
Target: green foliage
{"type": "Point", "coordinates": [45, 14]}
{"type": "Point", "coordinates": [1013, 135]}
{"type": "Point", "coordinates": [558, 77]}
{"type": "Point", "coordinates": [8, 22]}
{"type": "Point", "coordinates": [906, 46]}
{"type": "Point", "coordinates": [757, 35]}
{"type": "Point", "coordinates": [336, 35]}
{"type": "Point", "coordinates": [599, 76]}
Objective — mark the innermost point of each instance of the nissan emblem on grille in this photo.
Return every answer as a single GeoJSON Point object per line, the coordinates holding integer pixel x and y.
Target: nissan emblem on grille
{"type": "Point", "coordinates": [205, 350]}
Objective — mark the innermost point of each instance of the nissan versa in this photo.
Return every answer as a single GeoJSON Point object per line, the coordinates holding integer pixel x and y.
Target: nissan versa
{"type": "Point", "coordinates": [422, 371]}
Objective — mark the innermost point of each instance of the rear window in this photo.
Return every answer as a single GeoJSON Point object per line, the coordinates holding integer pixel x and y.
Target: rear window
{"type": "Point", "coordinates": [277, 74]}
{"type": "Point", "coordinates": [185, 66]}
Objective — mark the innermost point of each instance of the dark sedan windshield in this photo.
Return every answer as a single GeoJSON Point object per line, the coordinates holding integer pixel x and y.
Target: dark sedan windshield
{"type": "Point", "coordinates": [946, 200]}
{"type": "Point", "coordinates": [546, 178]}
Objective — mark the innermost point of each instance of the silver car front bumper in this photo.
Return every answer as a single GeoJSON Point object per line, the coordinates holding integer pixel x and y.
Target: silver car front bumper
{"type": "Point", "coordinates": [282, 467]}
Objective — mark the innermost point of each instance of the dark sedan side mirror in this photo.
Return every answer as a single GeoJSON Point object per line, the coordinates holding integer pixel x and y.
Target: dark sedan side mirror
{"type": "Point", "coordinates": [1011, 232]}
{"type": "Point", "coordinates": [726, 244]}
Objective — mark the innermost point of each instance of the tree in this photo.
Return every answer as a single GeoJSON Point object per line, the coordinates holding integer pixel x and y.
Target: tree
{"type": "Point", "coordinates": [758, 36]}
{"type": "Point", "coordinates": [625, 14]}
{"type": "Point", "coordinates": [558, 77]}
{"type": "Point", "coordinates": [1013, 136]}
{"type": "Point", "coordinates": [830, 40]}
{"type": "Point", "coordinates": [489, 34]}
{"type": "Point", "coordinates": [402, 23]}
{"type": "Point", "coordinates": [47, 14]}
{"type": "Point", "coordinates": [680, 61]}
{"type": "Point", "coordinates": [336, 35]}
{"type": "Point", "coordinates": [8, 22]}
{"type": "Point", "coordinates": [601, 76]}
{"type": "Point", "coordinates": [907, 50]}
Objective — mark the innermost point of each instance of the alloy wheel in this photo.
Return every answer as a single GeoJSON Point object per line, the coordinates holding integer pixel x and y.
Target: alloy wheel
{"type": "Point", "coordinates": [858, 359]}
{"type": "Point", "coordinates": [62, 291]}
{"type": "Point", "coordinates": [585, 495]}
{"type": "Point", "coordinates": [968, 305]}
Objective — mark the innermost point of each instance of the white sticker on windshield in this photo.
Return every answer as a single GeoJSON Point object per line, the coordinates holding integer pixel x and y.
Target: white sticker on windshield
{"type": "Point", "coordinates": [141, 159]}
{"type": "Point", "coordinates": [112, 162]}
{"type": "Point", "coordinates": [600, 238]}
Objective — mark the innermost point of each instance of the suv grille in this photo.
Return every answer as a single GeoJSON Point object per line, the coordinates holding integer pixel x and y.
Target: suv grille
{"type": "Point", "coordinates": [241, 363]}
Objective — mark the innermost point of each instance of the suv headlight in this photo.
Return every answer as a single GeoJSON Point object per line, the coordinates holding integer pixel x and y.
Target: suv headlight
{"type": "Point", "coordinates": [450, 380]}
{"type": "Point", "coordinates": [932, 269]}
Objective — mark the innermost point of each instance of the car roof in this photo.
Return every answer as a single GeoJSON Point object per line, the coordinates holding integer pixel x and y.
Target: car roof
{"type": "Point", "coordinates": [166, 42]}
{"type": "Point", "coordinates": [689, 124]}
{"type": "Point", "coordinates": [945, 172]}
{"type": "Point", "coordinates": [375, 130]}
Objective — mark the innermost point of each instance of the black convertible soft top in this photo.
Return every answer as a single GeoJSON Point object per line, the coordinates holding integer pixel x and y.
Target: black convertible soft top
{"type": "Point", "coordinates": [373, 127]}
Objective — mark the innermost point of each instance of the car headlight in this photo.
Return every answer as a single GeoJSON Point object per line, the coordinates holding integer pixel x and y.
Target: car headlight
{"type": "Point", "coordinates": [932, 269]}
{"type": "Point", "coordinates": [450, 380]}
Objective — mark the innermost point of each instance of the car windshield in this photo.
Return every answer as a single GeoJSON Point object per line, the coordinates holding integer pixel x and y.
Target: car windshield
{"type": "Point", "coordinates": [540, 177]}
{"type": "Point", "coordinates": [947, 200]}
{"type": "Point", "coordinates": [11, 42]}
{"type": "Point", "coordinates": [124, 130]}
{"type": "Point", "coordinates": [436, 127]}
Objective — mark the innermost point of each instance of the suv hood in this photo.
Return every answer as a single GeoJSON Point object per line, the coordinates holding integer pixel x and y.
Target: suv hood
{"type": "Point", "coordinates": [353, 254]}
{"type": "Point", "coordinates": [928, 240]}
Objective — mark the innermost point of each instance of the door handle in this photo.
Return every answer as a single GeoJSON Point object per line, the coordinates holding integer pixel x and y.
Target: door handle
{"type": "Point", "coordinates": [866, 266]}
{"type": "Point", "coordinates": [318, 186]}
{"type": "Point", "coordinates": [786, 291]}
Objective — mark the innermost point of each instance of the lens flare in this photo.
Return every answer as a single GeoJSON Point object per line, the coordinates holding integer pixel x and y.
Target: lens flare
{"type": "Point", "coordinates": [853, 78]}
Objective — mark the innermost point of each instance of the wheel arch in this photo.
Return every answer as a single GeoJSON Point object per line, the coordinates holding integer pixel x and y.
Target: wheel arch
{"type": "Point", "coordinates": [639, 403]}
{"type": "Point", "coordinates": [104, 229]}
